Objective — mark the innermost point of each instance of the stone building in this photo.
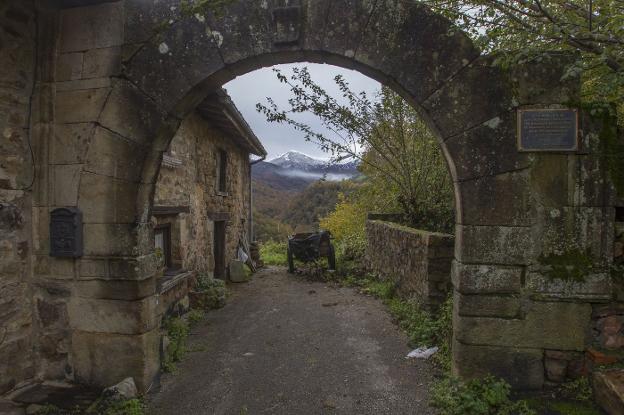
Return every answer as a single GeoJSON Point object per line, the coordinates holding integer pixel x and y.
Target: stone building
{"type": "Point", "coordinates": [202, 203]}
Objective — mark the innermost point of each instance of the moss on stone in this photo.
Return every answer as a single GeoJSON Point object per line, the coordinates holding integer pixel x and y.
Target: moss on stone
{"type": "Point", "coordinates": [613, 152]}
{"type": "Point", "coordinates": [617, 272]}
{"type": "Point", "coordinates": [612, 145]}
{"type": "Point", "coordinates": [571, 265]}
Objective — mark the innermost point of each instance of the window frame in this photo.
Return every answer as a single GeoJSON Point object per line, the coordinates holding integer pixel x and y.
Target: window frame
{"type": "Point", "coordinates": [222, 168]}
{"type": "Point", "coordinates": [165, 228]}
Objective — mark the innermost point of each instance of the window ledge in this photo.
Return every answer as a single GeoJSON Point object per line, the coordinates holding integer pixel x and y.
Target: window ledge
{"type": "Point", "coordinates": [224, 194]}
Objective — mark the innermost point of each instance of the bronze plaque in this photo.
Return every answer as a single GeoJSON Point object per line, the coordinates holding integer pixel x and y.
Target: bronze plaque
{"type": "Point", "coordinates": [548, 130]}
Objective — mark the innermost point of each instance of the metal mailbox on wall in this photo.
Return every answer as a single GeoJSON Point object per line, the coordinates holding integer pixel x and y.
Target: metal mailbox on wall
{"type": "Point", "coordinates": [66, 232]}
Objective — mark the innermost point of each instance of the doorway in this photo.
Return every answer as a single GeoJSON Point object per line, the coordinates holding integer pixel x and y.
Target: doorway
{"type": "Point", "coordinates": [219, 249]}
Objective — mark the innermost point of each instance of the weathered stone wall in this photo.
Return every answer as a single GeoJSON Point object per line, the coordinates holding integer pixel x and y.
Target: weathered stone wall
{"type": "Point", "coordinates": [194, 184]}
{"type": "Point", "coordinates": [17, 71]}
{"type": "Point", "coordinates": [419, 262]}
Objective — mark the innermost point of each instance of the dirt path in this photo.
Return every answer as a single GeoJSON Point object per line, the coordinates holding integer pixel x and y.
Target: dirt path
{"type": "Point", "coordinates": [287, 346]}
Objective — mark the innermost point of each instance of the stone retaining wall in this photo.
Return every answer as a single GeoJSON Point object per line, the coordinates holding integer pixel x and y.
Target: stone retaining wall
{"type": "Point", "coordinates": [419, 262]}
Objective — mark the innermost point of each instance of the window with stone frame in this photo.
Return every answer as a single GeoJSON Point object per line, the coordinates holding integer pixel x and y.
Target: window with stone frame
{"type": "Point", "coordinates": [162, 243]}
{"type": "Point", "coordinates": [222, 161]}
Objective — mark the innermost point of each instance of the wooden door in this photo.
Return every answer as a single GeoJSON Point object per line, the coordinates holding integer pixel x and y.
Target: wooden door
{"type": "Point", "coordinates": [219, 249]}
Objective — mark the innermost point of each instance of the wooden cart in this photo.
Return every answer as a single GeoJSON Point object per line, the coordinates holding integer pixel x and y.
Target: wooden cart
{"type": "Point", "coordinates": [309, 247]}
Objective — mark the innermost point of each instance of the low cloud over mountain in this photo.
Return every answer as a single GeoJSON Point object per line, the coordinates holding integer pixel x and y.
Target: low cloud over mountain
{"type": "Point", "coordinates": [295, 171]}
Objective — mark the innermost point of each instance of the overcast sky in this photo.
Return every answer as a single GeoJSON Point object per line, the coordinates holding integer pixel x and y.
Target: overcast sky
{"type": "Point", "coordinates": [246, 91]}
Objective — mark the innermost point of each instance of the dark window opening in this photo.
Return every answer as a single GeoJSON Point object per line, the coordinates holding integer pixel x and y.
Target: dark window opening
{"type": "Point", "coordinates": [619, 214]}
{"type": "Point", "coordinates": [222, 172]}
{"type": "Point", "coordinates": [162, 243]}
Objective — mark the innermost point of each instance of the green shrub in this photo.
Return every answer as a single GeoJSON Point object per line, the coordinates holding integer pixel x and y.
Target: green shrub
{"type": "Point", "coordinates": [103, 406]}
{"type": "Point", "coordinates": [577, 390]}
{"type": "Point", "coordinates": [381, 289]}
{"type": "Point", "coordinates": [212, 293]}
{"type": "Point", "coordinates": [573, 408]}
{"type": "Point", "coordinates": [274, 253]}
{"type": "Point", "coordinates": [177, 332]}
{"type": "Point", "coordinates": [112, 406]}
{"type": "Point", "coordinates": [129, 407]}
{"type": "Point", "coordinates": [195, 316]}
{"type": "Point", "coordinates": [487, 396]}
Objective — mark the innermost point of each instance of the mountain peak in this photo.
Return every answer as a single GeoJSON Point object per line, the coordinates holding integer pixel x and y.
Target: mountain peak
{"type": "Point", "coordinates": [296, 159]}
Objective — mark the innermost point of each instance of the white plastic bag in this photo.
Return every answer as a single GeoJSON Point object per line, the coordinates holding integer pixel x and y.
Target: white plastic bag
{"type": "Point", "coordinates": [422, 353]}
{"type": "Point", "coordinates": [242, 256]}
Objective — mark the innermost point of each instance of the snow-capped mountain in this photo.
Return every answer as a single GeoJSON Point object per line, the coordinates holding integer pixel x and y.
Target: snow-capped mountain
{"type": "Point", "coordinates": [299, 161]}
{"type": "Point", "coordinates": [295, 171]}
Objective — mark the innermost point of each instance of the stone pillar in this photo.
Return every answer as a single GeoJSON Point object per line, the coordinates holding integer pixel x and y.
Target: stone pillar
{"type": "Point", "coordinates": [98, 311]}
{"type": "Point", "coordinates": [510, 309]}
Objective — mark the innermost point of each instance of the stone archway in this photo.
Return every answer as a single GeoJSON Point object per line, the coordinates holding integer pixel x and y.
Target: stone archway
{"type": "Point", "coordinates": [506, 200]}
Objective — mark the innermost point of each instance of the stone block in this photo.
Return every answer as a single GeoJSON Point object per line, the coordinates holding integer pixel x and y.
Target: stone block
{"type": "Point", "coordinates": [486, 279]}
{"type": "Point", "coordinates": [114, 156]}
{"type": "Point", "coordinates": [550, 180]}
{"type": "Point", "coordinates": [15, 370]}
{"type": "Point", "coordinates": [504, 245]}
{"type": "Point", "coordinates": [143, 19]}
{"type": "Point", "coordinates": [69, 66]}
{"type": "Point", "coordinates": [51, 313]}
{"type": "Point", "coordinates": [83, 84]}
{"type": "Point", "coordinates": [131, 114]}
{"type": "Point", "coordinates": [47, 267]}
{"type": "Point", "coordinates": [471, 150]}
{"type": "Point", "coordinates": [138, 268]}
{"type": "Point", "coordinates": [595, 288]}
{"type": "Point", "coordinates": [556, 370]}
{"type": "Point", "coordinates": [124, 269]}
{"type": "Point", "coordinates": [70, 143]}
{"type": "Point", "coordinates": [566, 324]}
{"type": "Point", "coordinates": [501, 200]}
{"type": "Point", "coordinates": [487, 306]}
{"type": "Point", "coordinates": [66, 181]}
{"type": "Point", "coordinates": [413, 46]}
{"type": "Point", "coordinates": [80, 106]}
{"type": "Point", "coordinates": [521, 367]}
{"type": "Point", "coordinates": [561, 366]}
{"type": "Point", "coordinates": [344, 25]}
{"type": "Point", "coordinates": [116, 290]}
{"type": "Point", "coordinates": [477, 94]}
{"type": "Point", "coordinates": [609, 391]}
{"type": "Point", "coordinates": [186, 56]}
{"type": "Point", "coordinates": [57, 289]}
{"type": "Point", "coordinates": [93, 268]}
{"type": "Point", "coordinates": [91, 27]}
{"type": "Point", "coordinates": [41, 230]}
{"type": "Point", "coordinates": [100, 63]}
{"type": "Point", "coordinates": [586, 229]}
{"type": "Point", "coordinates": [599, 358]}
{"type": "Point", "coordinates": [592, 184]}
{"type": "Point", "coordinates": [108, 239]}
{"type": "Point", "coordinates": [103, 359]}
{"type": "Point", "coordinates": [104, 199]}
{"type": "Point", "coordinates": [114, 316]}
